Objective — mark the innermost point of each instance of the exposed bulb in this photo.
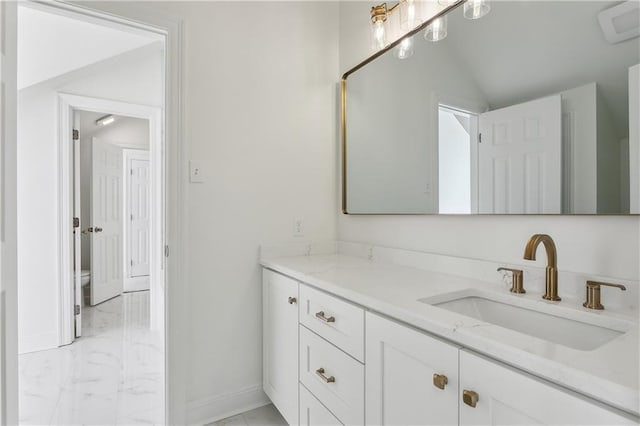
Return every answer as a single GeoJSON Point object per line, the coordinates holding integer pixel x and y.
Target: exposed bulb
{"type": "Point", "coordinates": [409, 15]}
{"type": "Point", "coordinates": [404, 50]}
{"type": "Point", "coordinates": [436, 30]}
{"type": "Point", "coordinates": [476, 9]}
{"type": "Point", "coordinates": [378, 35]}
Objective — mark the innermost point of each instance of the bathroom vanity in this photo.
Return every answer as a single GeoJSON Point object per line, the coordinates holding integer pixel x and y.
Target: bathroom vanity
{"type": "Point", "coordinates": [365, 335]}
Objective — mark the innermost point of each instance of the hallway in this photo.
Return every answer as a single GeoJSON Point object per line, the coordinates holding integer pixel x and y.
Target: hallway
{"type": "Point", "coordinates": [113, 374]}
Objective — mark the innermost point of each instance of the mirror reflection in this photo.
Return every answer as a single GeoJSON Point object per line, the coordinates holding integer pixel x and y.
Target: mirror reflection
{"type": "Point", "coordinates": [532, 109]}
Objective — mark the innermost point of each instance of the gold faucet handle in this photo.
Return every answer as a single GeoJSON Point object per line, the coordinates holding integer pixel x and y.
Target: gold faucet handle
{"type": "Point", "coordinates": [593, 294]}
{"type": "Point", "coordinates": [517, 280]}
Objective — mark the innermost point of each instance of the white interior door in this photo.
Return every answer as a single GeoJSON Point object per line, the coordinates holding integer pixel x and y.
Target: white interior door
{"type": "Point", "coordinates": [77, 226]}
{"type": "Point", "coordinates": [520, 157]}
{"type": "Point", "coordinates": [139, 214]}
{"type": "Point", "coordinates": [107, 278]}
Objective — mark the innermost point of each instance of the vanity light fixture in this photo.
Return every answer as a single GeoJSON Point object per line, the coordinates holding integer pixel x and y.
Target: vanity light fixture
{"type": "Point", "coordinates": [476, 9]}
{"type": "Point", "coordinates": [409, 15]}
{"type": "Point", "coordinates": [378, 30]}
{"type": "Point", "coordinates": [105, 121]}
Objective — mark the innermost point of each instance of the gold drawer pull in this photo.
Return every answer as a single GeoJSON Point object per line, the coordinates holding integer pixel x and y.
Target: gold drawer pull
{"type": "Point", "coordinates": [440, 381]}
{"type": "Point", "coordinates": [320, 373]}
{"type": "Point", "coordinates": [470, 398]}
{"type": "Point", "coordinates": [292, 300]}
{"type": "Point", "coordinates": [320, 316]}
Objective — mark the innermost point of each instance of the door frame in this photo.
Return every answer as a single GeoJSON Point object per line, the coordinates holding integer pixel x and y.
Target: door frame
{"type": "Point", "coordinates": [129, 154]}
{"type": "Point", "coordinates": [67, 105]}
{"type": "Point", "coordinates": [137, 17]}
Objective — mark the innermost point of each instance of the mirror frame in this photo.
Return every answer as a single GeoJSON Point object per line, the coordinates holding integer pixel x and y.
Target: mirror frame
{"type": "Point", "coordinates": [343, 133]}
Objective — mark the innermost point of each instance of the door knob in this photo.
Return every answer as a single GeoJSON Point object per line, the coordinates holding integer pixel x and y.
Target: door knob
{"type": "Point", "coordinates": [292, 300]}
{"type": "Point", "coordinates": [470, 398]}
{"type": "Point", "coordinates": [97, 229]}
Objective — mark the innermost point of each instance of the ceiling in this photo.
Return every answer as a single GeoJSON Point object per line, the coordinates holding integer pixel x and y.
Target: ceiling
{"type": "Point", "coordinates": [52, 44]}
{"type": "Point", "coordinates": [525, 50]}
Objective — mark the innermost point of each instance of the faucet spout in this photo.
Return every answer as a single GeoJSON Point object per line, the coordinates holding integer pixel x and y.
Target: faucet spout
{"type": "Point", "coordinates": [551, 279]}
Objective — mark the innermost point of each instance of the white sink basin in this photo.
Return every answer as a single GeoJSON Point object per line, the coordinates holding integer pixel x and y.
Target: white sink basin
{"type": "Point", "coordinates": [578, 333]}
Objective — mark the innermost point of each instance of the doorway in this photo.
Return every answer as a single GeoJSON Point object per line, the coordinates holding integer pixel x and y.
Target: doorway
{"type": "Point", "coordinates": [81, 347]}
{"type": "Point", "coordinates": [457, 161]}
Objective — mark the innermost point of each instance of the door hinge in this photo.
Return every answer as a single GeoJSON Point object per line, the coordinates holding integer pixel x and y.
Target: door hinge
{"type": "Point", "coordinates": [76, 222]}
{"type": "Point", "coordinates": [479, 137]}
{"type": "Point", "coordinates": [76, 310]}
{"type": "Point", "coordinates": [76, 134]}
{"type": "Point", "coordinates": [166, 251]}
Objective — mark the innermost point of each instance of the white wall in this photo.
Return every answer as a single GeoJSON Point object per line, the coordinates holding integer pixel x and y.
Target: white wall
{"type": "Point", "coordinates": [132, 77]}
{"type": "Point", "coordinates": [597, 245]}
{"type": "Point", "coordinates": [260, 91]}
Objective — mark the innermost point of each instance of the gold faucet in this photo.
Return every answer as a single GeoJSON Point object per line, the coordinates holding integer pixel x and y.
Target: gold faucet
{"type": "Point", "coordinates": [551, 280]}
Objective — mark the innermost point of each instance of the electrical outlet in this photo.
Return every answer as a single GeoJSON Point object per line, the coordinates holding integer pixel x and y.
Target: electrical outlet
{"type": "Point", "coordinates": [195, 172]}
{"type": "Point", "coordinates": [298, 227]}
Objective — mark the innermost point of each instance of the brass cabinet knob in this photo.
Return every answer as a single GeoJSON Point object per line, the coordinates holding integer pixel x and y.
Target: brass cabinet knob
{"type": "Point", "coordinates": [593, 294]}
{"type": "Point", "coordinates": [440, 381]}
{"type": "Point", "coordinates": [517, 281]}
{"type": "Point", "coordinates": [292, 300]}
{"type": "Point", "coordinates": [97, 229]}
{"type": "Point", "coordinates": [321, 317]}
{"type": "Point", "coordinates": [470, 398]}
{"type": "Point", "coordinates": [320, 373]}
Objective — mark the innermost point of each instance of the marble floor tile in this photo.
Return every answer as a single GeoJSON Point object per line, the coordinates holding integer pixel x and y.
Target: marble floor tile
{"type": "Point", "coordinates": [113, 374]}
{"type": "Point", "coordinates": [262, 416]}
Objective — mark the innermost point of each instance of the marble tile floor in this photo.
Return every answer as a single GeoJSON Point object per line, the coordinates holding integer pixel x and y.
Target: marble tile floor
{"type": "Point", "coordinates": [263, 416]}
{"type": "Point", "coordinates": [113, 374]}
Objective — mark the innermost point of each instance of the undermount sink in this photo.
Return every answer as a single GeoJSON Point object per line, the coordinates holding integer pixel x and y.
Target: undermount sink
{"type": "Point", "coordinates": [550, 326]}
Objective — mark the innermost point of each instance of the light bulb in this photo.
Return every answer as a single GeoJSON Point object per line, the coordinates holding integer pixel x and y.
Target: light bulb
{"type": "Point", "coordinates": [404, 50]}
{"type": "Point", "coordinates": [476, 9]}
{"type": "Point", "coordinates": [409, 15]}
{"type": "Point", "coordinates": [436, 30]}
{"type": "Point", "coordinates": [378, 35]}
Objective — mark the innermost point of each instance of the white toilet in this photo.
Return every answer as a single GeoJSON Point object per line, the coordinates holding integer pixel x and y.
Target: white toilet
{"type": "Point", "coordinates": [85, 277]}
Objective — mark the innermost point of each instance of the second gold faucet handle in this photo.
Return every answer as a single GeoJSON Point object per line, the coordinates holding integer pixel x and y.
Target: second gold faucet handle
{"type": "Point", "coordinates": [517, 283]}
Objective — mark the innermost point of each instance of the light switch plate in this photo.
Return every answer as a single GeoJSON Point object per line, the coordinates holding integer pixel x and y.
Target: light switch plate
{"type": "Point", "coordinates": [195, 172]}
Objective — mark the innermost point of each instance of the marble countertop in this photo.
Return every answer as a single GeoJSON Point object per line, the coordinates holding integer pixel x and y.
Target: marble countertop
{"type": "Point", "coordinates": [610, 373]}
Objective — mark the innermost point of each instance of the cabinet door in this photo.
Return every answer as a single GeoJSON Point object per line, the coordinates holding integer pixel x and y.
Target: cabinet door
{"type": "Point", "coordinates": [402, 367]}
{"type": "Point", "coordinates": [313, 413]}
{"type": "Point", "coordinates": [280, 343]}
{"type": "Point", "coordinates": [506, 396]}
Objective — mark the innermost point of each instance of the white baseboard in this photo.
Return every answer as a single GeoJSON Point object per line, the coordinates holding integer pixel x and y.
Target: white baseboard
{"type": "Point", "coordinates": [37, 342]}
{"type": "Point", "coordinates": [212, 409]}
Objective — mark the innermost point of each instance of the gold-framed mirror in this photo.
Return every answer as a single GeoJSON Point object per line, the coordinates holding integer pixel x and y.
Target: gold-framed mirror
{"type": "Point", "coordinates": [532, 109]}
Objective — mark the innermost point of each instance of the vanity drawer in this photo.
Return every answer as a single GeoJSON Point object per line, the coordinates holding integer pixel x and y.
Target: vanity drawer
{"type": "Point", "coordinates": [313, 413]}
{"type": "Point", "coordinates": [336, 379]}
{"type": "Point", "coordinates": [339, 322]}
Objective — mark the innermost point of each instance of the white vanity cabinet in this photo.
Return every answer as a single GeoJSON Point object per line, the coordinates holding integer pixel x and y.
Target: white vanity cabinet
{"type": "Point", "coordinates": [506, 396]}
{"type": "Point", "coordinates": [280, 343]}
{"type": "Point", "coordinates": [411, 378]}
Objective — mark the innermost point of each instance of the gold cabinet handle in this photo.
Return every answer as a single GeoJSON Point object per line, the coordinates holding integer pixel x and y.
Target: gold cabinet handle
{"type": "Point", "coordinates": [440, 381]}
{"type": "Point", "coordinates": [470, 398]}
{"type": "Point", "coordinates": [320, 373]}
{"type": "Point", "coordinates": [292, 300]}
{"type": "Point", "coordinates": [517, 285]}
{"type": "Point", "coordinates": [321, 317]}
